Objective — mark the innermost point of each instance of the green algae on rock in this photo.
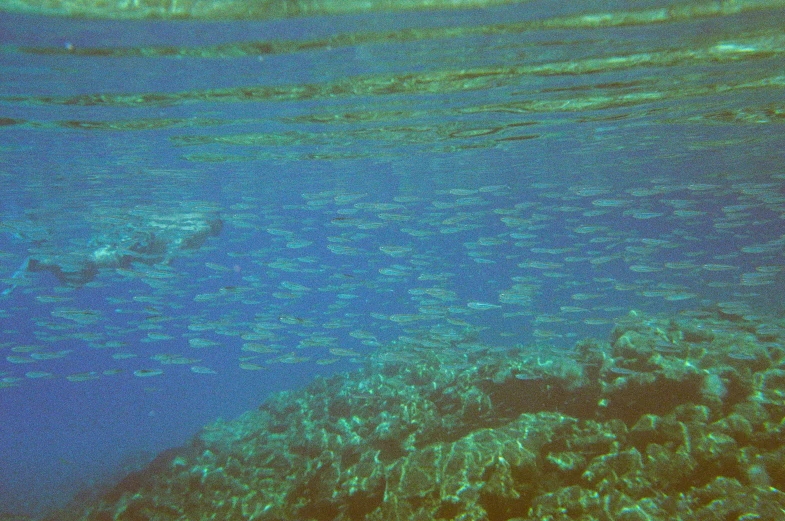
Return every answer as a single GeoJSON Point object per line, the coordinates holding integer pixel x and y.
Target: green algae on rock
{"type": "Point", "coordinates": [675, 418]}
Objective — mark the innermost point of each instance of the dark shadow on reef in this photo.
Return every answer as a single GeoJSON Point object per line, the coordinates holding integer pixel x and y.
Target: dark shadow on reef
{"type": "Point", "coordinates": [674, 418]}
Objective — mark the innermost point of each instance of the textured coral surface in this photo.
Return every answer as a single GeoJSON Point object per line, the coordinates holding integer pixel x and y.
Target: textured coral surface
{"type": "Point", "coordinates": [672, 419]}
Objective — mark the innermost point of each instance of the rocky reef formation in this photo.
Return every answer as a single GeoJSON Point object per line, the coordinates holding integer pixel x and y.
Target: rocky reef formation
{"type": "Point", "coordinates": [674, 418]}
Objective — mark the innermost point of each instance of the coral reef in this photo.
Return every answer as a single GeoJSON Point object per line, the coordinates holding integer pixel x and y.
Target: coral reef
{"type": "Point", "coordinates": [674, 418]}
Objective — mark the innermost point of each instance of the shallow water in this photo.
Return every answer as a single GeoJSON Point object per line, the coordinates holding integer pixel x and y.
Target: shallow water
{"type": "Point", "coordinates": [525, 174]}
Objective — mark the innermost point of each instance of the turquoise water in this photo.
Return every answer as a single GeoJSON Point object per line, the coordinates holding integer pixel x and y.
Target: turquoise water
{"type": "Point", "coordinates": [523, 174]}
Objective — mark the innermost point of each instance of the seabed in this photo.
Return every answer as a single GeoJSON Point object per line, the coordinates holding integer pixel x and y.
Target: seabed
{"type": "Point", "coordinates": [673, 418]}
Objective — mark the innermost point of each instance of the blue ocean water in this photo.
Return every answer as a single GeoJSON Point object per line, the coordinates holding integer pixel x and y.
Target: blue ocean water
{"type": "Point", "coordinates": [520, 174]}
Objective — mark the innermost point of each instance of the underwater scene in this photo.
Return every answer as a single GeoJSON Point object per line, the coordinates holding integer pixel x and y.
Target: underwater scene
{"type": "Point", "coordinates": [343, 260]}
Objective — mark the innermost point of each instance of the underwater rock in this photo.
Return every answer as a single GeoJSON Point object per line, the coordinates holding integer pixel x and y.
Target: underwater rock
{"type": "Point", "coordinates": [147, 239]}
{"type": "Point", "coordinates": [648, 427]}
